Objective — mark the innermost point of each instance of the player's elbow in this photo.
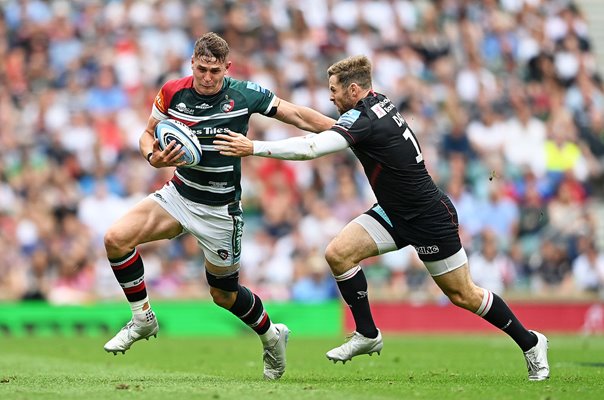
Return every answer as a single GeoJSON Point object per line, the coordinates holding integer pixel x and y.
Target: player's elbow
{"type": "Point", "coordinates": [302, 157]}
{"type": "Point", "coordinates": [311, 155]}
{"type": "Point", "coordinates": [312, 150]}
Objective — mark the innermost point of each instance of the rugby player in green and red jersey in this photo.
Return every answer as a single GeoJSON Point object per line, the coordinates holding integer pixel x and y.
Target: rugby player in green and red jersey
{"type": "Point", "coordinates": [203, 200]}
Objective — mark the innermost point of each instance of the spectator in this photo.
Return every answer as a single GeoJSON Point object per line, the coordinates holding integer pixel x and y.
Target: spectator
{"type": "Point", "coordinates": [106, 95]}
{"type": "Point", "coordinates": [314, 283]}
{"type": "Point", "coordinates": [567, 216]}
{"type": "Point", "coordinates": [487, 135]}
{"type": "Point", "coordinates": [470, 221]}
{"type": "Point", "coordinates": [533, 219]}
{"type": "Point", "coordinates": [456, 140]}
{"type": "Point", "coordinates": [500, 213]}
{"type": "Point", "coordinates": [551, 268]}
{"type": "Point", "coordinates": [588, 267]}
{"type": "Point", "coordinates": [525, 136]}
{"type": "Point", "coordinates": [490, 267]}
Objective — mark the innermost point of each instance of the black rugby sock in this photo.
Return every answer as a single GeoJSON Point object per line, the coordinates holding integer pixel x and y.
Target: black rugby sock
{"type": "Point", "coordinates": [353, 287]}
{"type": "Point", "coordinates": [495, 311]}
{"type": "Point", "coordinates": [248, 308]}
{"type": "Point", "coordinates": [130, 273]}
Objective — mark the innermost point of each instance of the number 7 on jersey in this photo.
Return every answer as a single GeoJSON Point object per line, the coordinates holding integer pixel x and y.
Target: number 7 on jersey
{"type": "Point", "coordinates": [398, 118]}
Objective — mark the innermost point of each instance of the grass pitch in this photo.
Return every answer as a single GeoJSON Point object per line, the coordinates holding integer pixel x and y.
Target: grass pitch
{"type": "Point", "coordinates": [410, 367]}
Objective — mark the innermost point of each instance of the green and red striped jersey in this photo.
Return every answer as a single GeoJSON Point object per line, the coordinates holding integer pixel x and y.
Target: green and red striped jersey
{"type": "Point", "coordinates": [217, 178]}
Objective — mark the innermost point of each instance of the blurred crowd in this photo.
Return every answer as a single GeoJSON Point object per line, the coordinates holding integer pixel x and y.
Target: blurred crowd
{"type": "Point", "coordinates": [504, 96]}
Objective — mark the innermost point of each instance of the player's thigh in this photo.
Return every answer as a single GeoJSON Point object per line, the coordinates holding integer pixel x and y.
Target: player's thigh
{"type": "Point", "coordinates": [145, 222]}
{"type": "Point", "coordinates": [455, 281]}
{"type": "Point", "coordinates": [353, 244]}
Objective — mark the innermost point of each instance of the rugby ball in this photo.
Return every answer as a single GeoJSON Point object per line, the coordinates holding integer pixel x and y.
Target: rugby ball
{"type": "Point", "coordinates": [169, 130]}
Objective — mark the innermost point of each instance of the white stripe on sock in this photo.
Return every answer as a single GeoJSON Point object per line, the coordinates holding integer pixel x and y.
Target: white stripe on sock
{"type": "Point", "coordinates": [348, 274]}
{"type": "Point", "coordinates": [251, 308]}
{"type": "Point", "coordinates": [487, 301]}
{"type": "Point", "coordinates": [117, 264]}
{"type": "Point", "coordinates": [137, 281]}
{"type": "Point", "coordinates": [258, 321]}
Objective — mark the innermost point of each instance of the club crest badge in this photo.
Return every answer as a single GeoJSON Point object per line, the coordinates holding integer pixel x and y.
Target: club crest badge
{"type": "Point", "coordinates": [227, 105]}
{"type": "Point", "coordinates": [223, 254]}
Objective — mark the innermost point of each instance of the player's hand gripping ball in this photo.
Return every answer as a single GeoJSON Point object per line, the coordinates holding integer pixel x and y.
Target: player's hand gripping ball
{"type": "Point", "coordinates": [169, 130]}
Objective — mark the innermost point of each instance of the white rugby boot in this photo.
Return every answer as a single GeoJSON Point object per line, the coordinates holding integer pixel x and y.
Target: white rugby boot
{"type": "Point", "coordinates": [274, 356]}
{"type": "Point", "coordinates": [134, 330]}
{"type": "Point", "coordinates": [536, 359]}
{"type": "Point", "coordinates": [356, 345]}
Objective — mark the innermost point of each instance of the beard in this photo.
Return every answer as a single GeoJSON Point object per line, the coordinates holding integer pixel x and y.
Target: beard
{"type": "Point", "coordinates": [346, 104]}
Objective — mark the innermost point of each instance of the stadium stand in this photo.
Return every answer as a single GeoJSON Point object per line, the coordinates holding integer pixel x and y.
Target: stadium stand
{"type": "Point", "coordinates": [505, 97]}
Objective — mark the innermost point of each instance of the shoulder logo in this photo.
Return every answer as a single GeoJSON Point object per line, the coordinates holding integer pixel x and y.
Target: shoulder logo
{"type": "Point", "coordinates": [227, 105]}
{"type": "Point", "coordinates": [378, 110]}
{"type": "Point", "coordinates": [348, 118]}
{"type": "Point", "coordinates": [256, 87]}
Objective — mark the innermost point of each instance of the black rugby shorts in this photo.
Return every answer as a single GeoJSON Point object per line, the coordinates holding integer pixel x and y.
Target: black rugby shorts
{"type": "Point", "coordinates": [434, 234]}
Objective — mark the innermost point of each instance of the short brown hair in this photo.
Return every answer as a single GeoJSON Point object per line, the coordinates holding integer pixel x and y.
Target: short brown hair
{"type": "Point", "coordinates": [210, 46]}
{"type": "Point", "coordinates": [355, 69]}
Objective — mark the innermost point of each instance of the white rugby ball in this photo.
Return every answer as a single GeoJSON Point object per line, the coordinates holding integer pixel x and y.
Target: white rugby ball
{"type": "Point", "coordinates": [169, 130]}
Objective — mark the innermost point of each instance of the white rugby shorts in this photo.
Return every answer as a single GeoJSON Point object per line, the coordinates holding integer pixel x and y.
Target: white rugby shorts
{"type": "Point", "coordinates": [218, 229]}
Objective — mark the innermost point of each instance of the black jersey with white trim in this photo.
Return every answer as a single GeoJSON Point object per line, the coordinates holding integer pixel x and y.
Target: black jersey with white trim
{"type": "Point", "coordinates": [391, 156]}
{"type": "Point", "coordinates": [217, 178]}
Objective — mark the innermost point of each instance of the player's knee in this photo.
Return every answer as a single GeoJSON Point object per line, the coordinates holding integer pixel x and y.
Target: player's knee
{"type": "Point", "coordinates": [114, 242]}
{"type": "Point", "coordinates": [461, 299]}
{"type": "Point", "coordinates": [335, 257]}
{"type": "Point", "coordinates": [222, 298]}
{"type": "Point", "coordinates": [339, 260]}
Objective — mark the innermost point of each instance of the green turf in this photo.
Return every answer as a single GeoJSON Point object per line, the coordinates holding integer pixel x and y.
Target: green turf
{"type": "Point", "coordinates": [411, 367]}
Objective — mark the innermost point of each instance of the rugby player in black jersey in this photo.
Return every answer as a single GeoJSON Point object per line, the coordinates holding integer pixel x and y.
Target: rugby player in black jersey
{"type": "Point", "coordinates": [411, 210]}
{"type": "Point", "coordinates": [203, 200]}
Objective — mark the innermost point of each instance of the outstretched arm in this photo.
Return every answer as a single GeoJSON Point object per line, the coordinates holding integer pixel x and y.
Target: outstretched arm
{"type": "Point", "coordinates": [297, 148]}
{"type": "Point", "coordinates": [303, 118]}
